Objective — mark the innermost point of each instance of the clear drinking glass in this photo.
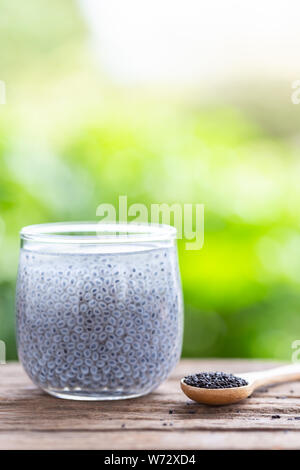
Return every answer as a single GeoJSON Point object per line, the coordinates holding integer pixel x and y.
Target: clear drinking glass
{"type": "Point", "coordinates": [99, 308]}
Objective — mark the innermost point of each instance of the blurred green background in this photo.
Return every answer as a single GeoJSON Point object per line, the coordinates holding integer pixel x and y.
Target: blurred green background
{"type": "Point", "coordinates": [72, 138]}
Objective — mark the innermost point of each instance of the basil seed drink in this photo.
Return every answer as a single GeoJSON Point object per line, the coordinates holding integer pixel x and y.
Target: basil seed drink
{"type": "Point", "coordinates": [99, 316]}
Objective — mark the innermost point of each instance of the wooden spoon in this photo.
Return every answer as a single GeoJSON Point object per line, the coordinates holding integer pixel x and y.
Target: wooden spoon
{"type": "Point", "coordinates": [225, 396]}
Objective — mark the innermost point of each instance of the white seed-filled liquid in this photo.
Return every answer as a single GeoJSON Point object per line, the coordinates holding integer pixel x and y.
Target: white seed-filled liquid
{"type": "Point", "coordinates": [97, 325]}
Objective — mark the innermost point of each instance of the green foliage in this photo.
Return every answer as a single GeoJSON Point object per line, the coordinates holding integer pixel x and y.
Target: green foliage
{"type": "Point", "coordinates": [68, 143]}
{"type": "Point", "coordinates": [241, 291]}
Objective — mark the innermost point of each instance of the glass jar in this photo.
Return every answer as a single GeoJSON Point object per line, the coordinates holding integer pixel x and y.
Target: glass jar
{"type": "Point", "coordinates": [99, 308]}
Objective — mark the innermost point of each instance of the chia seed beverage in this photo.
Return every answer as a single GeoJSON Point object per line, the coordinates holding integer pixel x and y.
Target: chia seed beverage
{"type": "Point", "coordinates": [99, 316]}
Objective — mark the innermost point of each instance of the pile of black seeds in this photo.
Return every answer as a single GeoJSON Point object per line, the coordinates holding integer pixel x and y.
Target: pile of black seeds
{"type": "Point", "coordinates": [214, 380]}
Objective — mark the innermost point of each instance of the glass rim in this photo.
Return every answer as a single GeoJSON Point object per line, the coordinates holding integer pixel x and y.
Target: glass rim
{"type": "Point", "coordinates": [100, 233]}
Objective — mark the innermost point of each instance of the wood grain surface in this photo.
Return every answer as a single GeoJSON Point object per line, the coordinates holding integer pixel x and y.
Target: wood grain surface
{"type": "Point", "coordinates": [165, 419]}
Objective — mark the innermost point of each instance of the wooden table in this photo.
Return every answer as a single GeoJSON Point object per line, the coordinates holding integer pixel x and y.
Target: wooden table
{"type": "Point", "coordinates": [166, 419]}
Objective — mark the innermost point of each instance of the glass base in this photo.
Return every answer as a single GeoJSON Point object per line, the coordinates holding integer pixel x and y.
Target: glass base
{"type": "Point", "coordinates": [104, 395]}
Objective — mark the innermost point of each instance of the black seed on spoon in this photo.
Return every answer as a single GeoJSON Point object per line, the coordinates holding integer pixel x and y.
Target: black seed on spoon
{"type": "Point", "coordinates": [212, 380]}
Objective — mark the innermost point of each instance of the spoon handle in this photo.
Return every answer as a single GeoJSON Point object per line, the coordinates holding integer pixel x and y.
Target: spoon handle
{"type": "Point", "coordinates": [273, 376]}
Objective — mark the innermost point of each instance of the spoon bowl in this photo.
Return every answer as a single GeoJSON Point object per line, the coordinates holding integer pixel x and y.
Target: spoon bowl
{"type": "Point", "coordinates": [226, 396]}
{"type": "Point", "coordinates": [216, 396]}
